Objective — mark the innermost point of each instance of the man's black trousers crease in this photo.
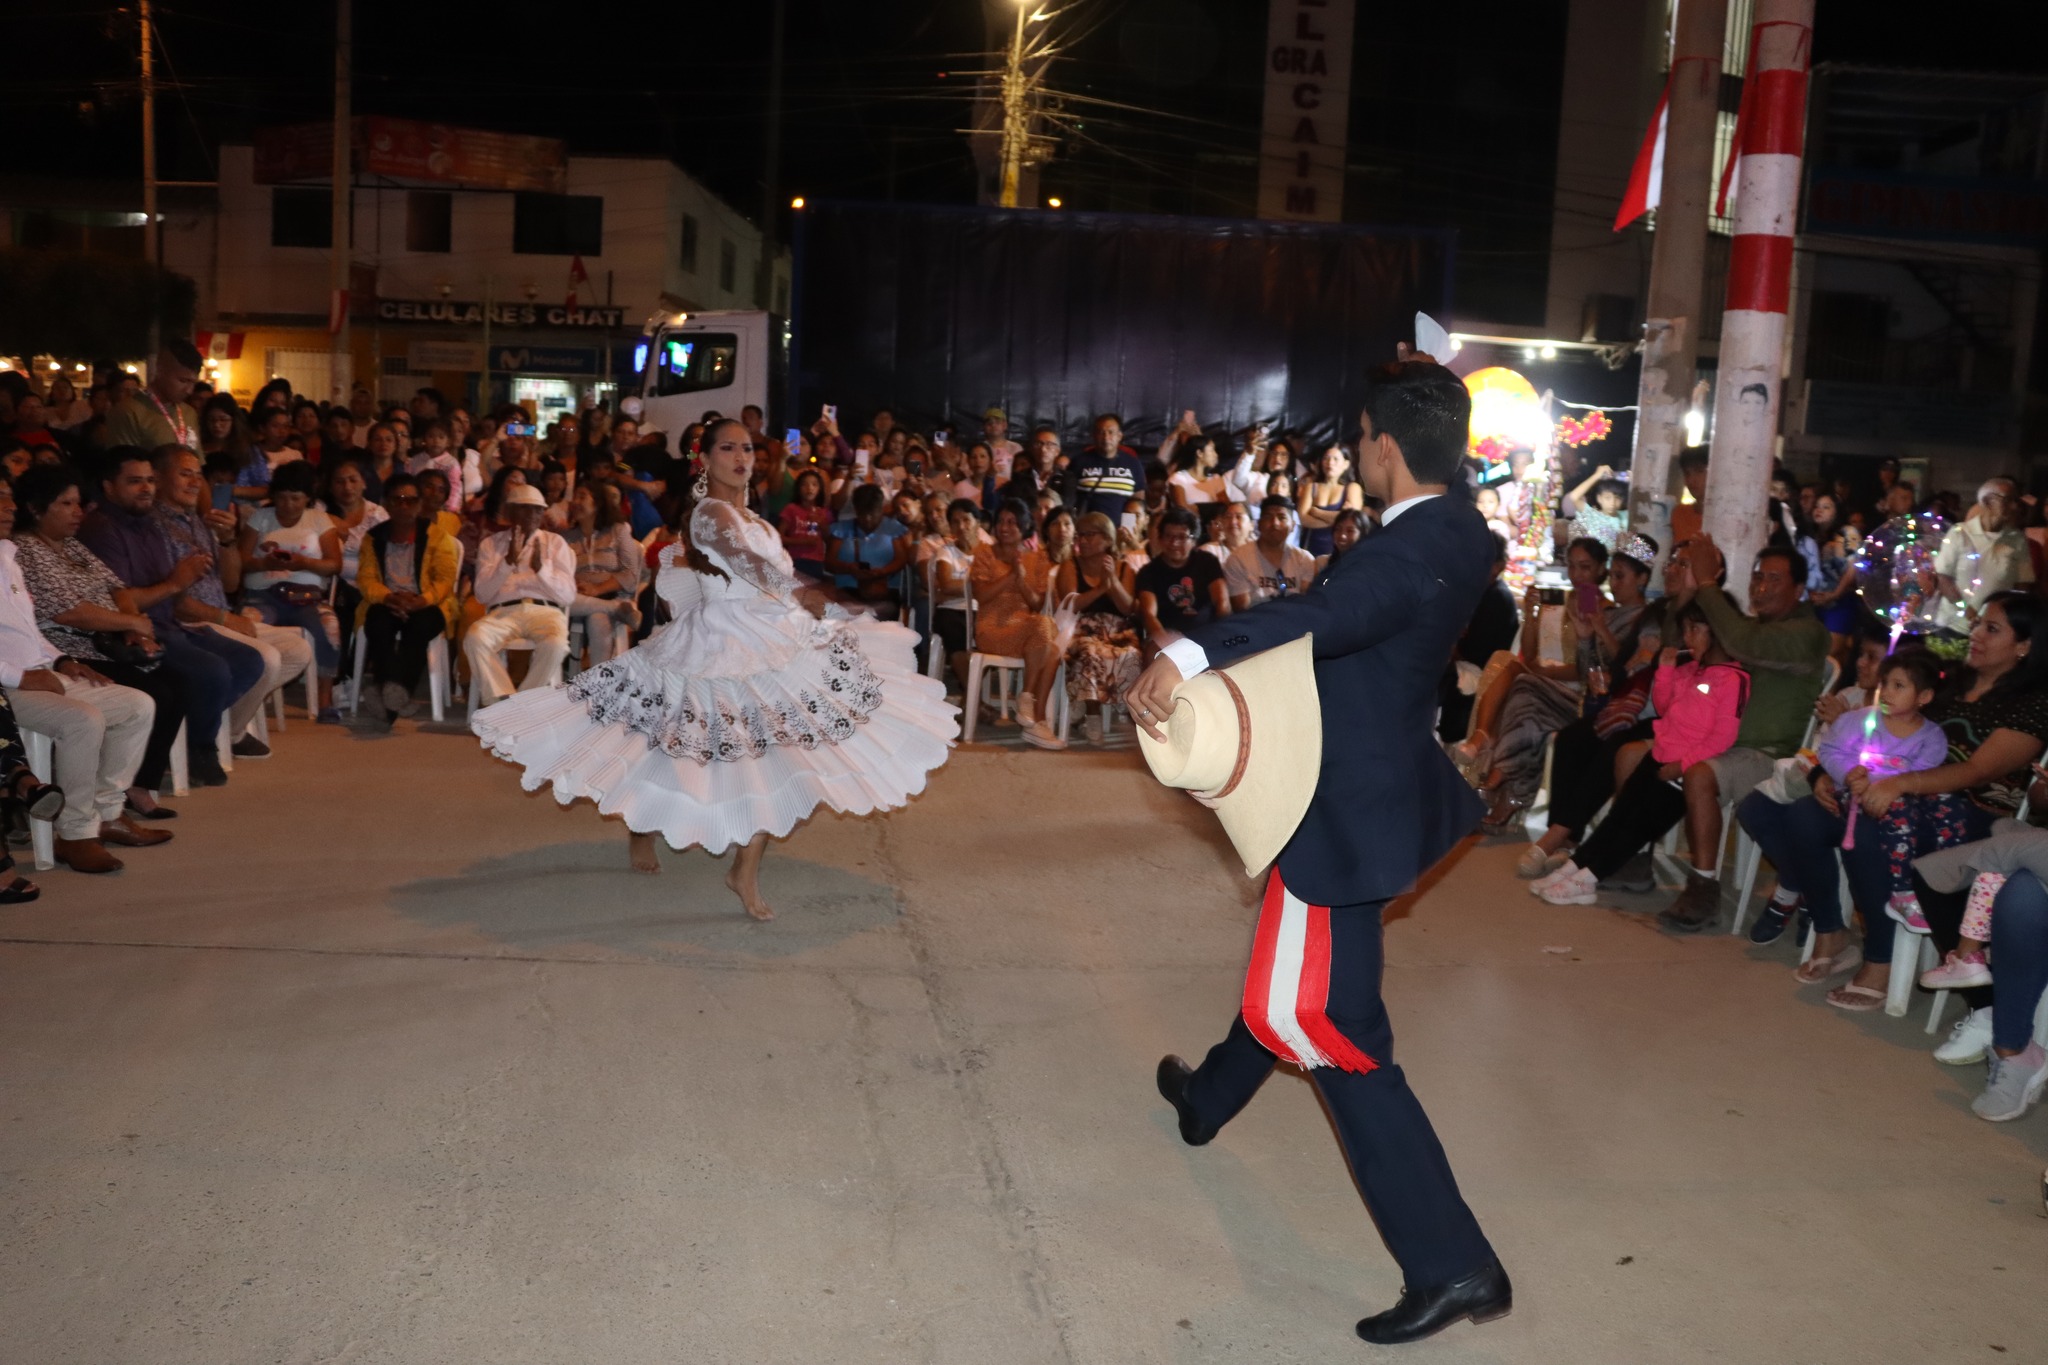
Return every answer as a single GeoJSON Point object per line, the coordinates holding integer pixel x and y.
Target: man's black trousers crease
{"type": "Point", "coordinates": [1394, 1153]}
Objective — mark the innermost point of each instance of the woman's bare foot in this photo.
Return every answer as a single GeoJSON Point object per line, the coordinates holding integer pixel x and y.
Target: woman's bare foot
{"type": "Point", "coordinates": [642, 851]}
{"type": "Point", "coordinates": [749, 893]}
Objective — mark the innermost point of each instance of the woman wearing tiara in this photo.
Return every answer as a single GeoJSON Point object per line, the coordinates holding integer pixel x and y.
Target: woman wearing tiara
{"type": "Point", "coordinates": [758, 703]}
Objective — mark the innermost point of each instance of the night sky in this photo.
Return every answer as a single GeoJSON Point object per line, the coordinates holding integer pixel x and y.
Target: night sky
{"type": "Point", "coordinates": [1453, 119]}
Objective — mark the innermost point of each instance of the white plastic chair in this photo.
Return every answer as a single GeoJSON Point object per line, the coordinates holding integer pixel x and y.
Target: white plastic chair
{"type": "Point", "coordinates": [579, 640]}
{"type": "Point", "coordinates": [42, 833]}
{"type": "Point", "coordinates": [516, 647]}
{"type": "Point", "coordinates": [1899, 988]}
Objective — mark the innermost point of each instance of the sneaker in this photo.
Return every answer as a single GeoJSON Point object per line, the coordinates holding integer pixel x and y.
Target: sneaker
{"type": "Point", "coordinates": [248, 746]}
{"type": "Point", "coordinates": [1638, 875]}
{"type": "Point", "coordinates": [1039, 733]}
{"type": "Point", "coordinates": [1536, 863]}
{"type": "Point", "coordinates": [1968, 1041]}
{"type": "Point", "coordinates": [1957, 972]}
{"type": "Point", "coordinates": [1697, 906]}
{"type": "Point", "coordinates": [329, 715]}
{"type": "Point", "coordinates": [2013, 1085]}
{"type": "Point", "coordinates": [1905, 908]}
{"type": "Point", "coordinates": [1091, 729]}
{"type": "Point", "coordinates": [1572, 886]}
{"type": "Point", "coordinates": [1770, 925]}
{"type": "Point", "coordinates": [1556, 874]}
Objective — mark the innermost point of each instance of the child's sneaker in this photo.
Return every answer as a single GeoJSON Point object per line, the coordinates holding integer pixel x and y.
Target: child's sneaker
{"type": "Point", "coordinates": [1905, 908]}
{"type": "Point", "coordinates": [1535, 863]}
{"type": "Point", "coordinates": [1957, 971]}
{"type": "Point", "coordinates": [1572, 885]}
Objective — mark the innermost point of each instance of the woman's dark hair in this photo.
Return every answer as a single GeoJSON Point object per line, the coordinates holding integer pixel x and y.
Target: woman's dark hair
{"type": "Point", "coordinates": [966, 505]}
{"type": "Point", "coordinates": [1349, 514]}
{"type": "Point", "coordinates": [1593, 548]}
{"type": "Point", "coordinates": [277, 393]}
{"type": "Point", "coordinates": [494, 496]}
{"type": "Point", "coordinates": [2028, 617]}
{"type": "Point", "coordinates": [692, 556]}
{"type": "Point", "coordinates": [1188, 453]}
{"type": "Point", "coordinates": [39, 486]}
{"type": "Point", "coordinates": [1021, 510]}
{"type": "Point", "coordinates": [1692, 613]}
{"type": "Point", "coordinates": [296, 477]}
{"type": "Point", "coordinates": [238, 440]}
{"type": "Point", "coordinates": [1614, 486]}
{"type": "Point", "coordinates": [609, 502]}
{"type": "Point", "coordinates": [796, 489]}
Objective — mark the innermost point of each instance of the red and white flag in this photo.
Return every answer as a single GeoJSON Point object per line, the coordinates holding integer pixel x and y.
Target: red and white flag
{"type": "Point", "coordinates": [1646, 181]}
{"type": "Point", "coordinates": [577, 276]}
{"type": "Point", "coordinates": [1288, 986]}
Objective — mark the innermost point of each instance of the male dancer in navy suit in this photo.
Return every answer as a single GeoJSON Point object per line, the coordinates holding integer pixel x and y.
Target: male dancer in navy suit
{"type": "Point", "coordinates": [1388, 804]}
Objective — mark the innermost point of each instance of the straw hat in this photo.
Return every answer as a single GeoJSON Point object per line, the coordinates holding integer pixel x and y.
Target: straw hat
{"type": "Point", "coordinates": [525, 495]}
{"type": "Point", "coordinates": [1248, 739]}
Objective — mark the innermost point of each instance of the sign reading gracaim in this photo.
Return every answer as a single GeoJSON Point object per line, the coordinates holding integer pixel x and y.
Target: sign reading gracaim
{"type": "Point", "coordinates": [1308, 107]}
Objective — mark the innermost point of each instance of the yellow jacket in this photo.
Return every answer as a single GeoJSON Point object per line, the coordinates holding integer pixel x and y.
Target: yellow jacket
{"type": "Point", "coordinates": [435, 569]}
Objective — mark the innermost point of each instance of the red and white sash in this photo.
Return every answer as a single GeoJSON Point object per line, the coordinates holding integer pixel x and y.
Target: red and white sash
{"type": "Point", "coordinates": [1289, 984]}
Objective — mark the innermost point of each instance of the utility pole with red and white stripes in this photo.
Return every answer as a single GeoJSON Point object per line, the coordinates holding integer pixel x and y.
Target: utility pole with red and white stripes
{"type": "Point", "coordinates": [1770, 138]}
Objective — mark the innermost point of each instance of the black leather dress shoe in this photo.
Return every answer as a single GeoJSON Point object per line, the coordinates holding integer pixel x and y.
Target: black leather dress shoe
{"type": "Point", "coordinates": [1482, 1296]}
{"type": "Point", "coordinates": [1173, 1086]}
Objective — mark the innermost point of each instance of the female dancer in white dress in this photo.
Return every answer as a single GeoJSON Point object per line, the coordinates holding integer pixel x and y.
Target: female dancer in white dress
{"type": "Point", "coordinates": [758, 703]}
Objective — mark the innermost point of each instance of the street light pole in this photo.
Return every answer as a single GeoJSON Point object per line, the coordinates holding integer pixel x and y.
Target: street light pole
{"type": "Point", "coordinates": [339, 366]}
{"type": "Point", "coordinates": [153, 242]}
{"type": "Point", "coordinates": [1014, 124]}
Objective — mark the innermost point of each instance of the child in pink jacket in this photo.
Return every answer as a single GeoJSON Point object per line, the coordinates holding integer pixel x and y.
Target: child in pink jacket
{"type": "Point", "coordinates": [1699, 703]}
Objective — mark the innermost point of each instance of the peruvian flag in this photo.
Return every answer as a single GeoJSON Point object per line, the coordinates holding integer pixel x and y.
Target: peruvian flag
{"type": "Point", "coordinates": [1646, 181]}
{"type": "Point", "coordinates": [1288, 984]}
{"type": "Point", "coordinates": [219, 345]}
{"type": "Point", "coordinates": [577, 276]}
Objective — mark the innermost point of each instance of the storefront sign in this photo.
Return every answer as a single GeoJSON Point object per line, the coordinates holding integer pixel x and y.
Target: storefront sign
{"type": "Point", "coordinates": [547, 359]}
{"type": "Point", "coordinates": [408, 150]}
{"type": "Point", "coordinates": [1926, 207]}
{"type": "Point", "coordinates": [456, 313]}
{"type": "Point", "coordinates": [1308, 110]}
{"type": "Point", "coordinates": [424, 357]}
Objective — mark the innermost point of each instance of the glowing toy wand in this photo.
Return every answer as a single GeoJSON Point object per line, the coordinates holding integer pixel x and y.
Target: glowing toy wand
{"type": "Point", "coordinates": [1869, 729]}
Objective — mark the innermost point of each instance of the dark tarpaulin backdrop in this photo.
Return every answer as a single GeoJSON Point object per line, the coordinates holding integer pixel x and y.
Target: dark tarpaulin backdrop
{"type": "Point", "coordinates": [939, 313]}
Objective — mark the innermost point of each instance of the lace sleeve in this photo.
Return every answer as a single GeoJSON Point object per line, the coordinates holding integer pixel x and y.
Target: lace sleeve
{"type": "Point", "coordinates": [720, 530]}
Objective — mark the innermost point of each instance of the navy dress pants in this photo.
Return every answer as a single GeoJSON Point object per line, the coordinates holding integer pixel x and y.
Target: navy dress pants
{"type": "Point", "coordinates": [1395, 1157]}
{"type": "Point", "coordinates": [216, 671]}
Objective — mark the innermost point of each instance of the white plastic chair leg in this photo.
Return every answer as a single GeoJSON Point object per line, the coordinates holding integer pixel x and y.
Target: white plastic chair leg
{"type": "Point", "coordinates": [970, 710]}
{"type": "Point", "coordinates": [1934, 1011]}
{"type": "Point", "coordinates": [180, 776]}
{"type": "Point", "coordinates": [438, 663]}
{"type": "Point", "coordinates": [2041, 1020]}
{"type": "Point", "coordinates": [1906, 950]}
{"type": "Point", "coordinates": [355, 689]}
{"type": "Point", "coordinates": [1748, 860]}
{"type": "Point", "coordinates": [42, 833]}
{"type": "Point", "coordinates": [224, 747]}
{"type": "Point", "coordinates": [311, 676]}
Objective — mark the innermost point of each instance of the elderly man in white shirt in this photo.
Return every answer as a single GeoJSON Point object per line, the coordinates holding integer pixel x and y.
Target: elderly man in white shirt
{"type": "Point", "coordinates": [97, 729]}
{"type": "Point", "coordinates": [526, 578]}
{"type": "Point", "coordinates": [1980, 556]}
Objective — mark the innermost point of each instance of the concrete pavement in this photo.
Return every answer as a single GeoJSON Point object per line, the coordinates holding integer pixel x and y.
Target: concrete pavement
{"type": "Point", "coordinates": [385, 1061]}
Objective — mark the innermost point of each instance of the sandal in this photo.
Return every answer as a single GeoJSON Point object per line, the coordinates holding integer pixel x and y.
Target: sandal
{"type": "Point", "coordinates": [17, 890]}
{"type": "Point", "coordinates": [1856, 999]}
{"type": "Point", "coordinates": [1815, 970]}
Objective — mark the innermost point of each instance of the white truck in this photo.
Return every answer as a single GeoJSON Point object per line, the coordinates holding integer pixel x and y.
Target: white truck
{"type": "Point", "coordinates": [688, 363]}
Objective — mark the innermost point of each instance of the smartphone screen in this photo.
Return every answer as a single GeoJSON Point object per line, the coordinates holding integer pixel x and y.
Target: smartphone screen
{"type": "Point", "coordinates": [792, 440]}
{"type": "Point", "coordinates": [938, 438]}
{"type": "Point", "coordinates": [831, 412]}
{"type": "Point", "coordinates": [223, 496]}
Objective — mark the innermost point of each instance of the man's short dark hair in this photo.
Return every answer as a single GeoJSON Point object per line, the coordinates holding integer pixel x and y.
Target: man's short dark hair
{"type": "Point", "coordinates": [1693, 457]}
{"type": "Point", "coordinates": [1923, 668]}
{"type": "Point", "coordinates": [184, 352]}
{"type": "Point", "coordinates": [397, 481]}
{"type": "Point", "coordinates": [1276, 502]}
{"type": "Point", "coordinates": [753, 408]}
{"type": "Point", "coordinates": [1426, 411]}
{"type": "Point", "coordinates": [869, 497]}
{"type": "Point", "coordinates": [162, 456]}
{"type": "Point", "coordinates": [1181, 517]}
{"type": "Point", "coordinates": [1795, 562]}
{"type": "Point", "coordinates": [1102, 417]}
{"type": "Point", "coordinates": [110, 463]}
{"type": "Point", "coordinates": [432, 395]}
{"type": "Point", "coordinates": [967, 505]}
{"type": "Point", "coordinates": [1045, 429]}
{"type": "Point", "coordinates": [263, 415]}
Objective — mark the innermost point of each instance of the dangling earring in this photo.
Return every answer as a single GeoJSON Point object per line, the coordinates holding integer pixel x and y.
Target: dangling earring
{"type": "Point", "coordinates": [702, 488]}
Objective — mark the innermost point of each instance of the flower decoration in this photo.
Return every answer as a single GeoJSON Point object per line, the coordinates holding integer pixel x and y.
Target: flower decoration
{"type": "Point", "coordinates": [1577, 431]}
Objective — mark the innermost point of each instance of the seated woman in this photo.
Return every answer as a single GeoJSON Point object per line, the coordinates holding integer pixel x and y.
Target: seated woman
{"type": "Point", "coordinates": [1994, 712]}
{"type": "Point", "coordinates": [84, 611]}
{"type": "Point", "coordinates": [1010, 583]}
{"type": "Point", "coordinates": [951, 562]}
{"type": "Point", "coordinates": [1584, 759]}
{"type": "Point", "coordinates": [1699, 712]}
{"type": "Point", "coordinates": [291, 552]}
{"type": "Point", "coordinates": [1346, 531]}
{"type": "Point", "coordinates": [1528, 699]}
{"type": "Point", "coordinates": [1102, 660]}
{"type": "Point", "coordinates": [609, 565]}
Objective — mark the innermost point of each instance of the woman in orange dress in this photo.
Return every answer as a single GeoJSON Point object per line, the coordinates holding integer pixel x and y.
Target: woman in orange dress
{"type": "Point", "coordinates": [1010, 583]}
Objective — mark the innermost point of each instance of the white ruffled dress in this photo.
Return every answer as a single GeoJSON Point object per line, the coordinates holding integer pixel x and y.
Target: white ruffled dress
{"type": "Point", "coordinates": [744, 714]}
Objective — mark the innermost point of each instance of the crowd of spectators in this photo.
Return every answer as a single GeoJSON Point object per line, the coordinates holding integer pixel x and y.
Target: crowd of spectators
{"type": "Point", "coordinates": [176, 558]}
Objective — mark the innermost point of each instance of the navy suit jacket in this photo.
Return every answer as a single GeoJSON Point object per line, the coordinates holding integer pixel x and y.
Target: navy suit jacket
{"type": "Point", "coordinates": [1388, 802]}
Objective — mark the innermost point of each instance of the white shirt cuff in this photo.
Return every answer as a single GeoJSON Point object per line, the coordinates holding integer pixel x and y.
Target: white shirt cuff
{"type": "Point", "coordinates": [1189, 657]}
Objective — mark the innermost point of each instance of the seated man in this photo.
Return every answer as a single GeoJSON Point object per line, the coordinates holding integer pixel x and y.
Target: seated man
{"type": "Point", "coordinates": [98, 729]}
{"type": "Point", "coordinates": [182, 490]}
{"type": "Point", "coordinates": [1268, 567]}
{"type": "Point", "coordinates": [868, 549]}
{"type": "Point", "coordinates": [407, 579]}
{"type": "Point", "coordinates": [217, 671]}
{"type": "Point", "coordinates": [526, 583]}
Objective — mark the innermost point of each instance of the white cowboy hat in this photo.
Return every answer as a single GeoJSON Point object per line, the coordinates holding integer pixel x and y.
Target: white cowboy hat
{"type": "Point", "coordinates": [1248, 739]}
{"type": "Point", "coordinates": [525, 495]}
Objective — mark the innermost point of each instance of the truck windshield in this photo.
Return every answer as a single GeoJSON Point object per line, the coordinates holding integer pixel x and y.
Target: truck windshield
{"type": "Point", "coordinates": [689, 362]}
